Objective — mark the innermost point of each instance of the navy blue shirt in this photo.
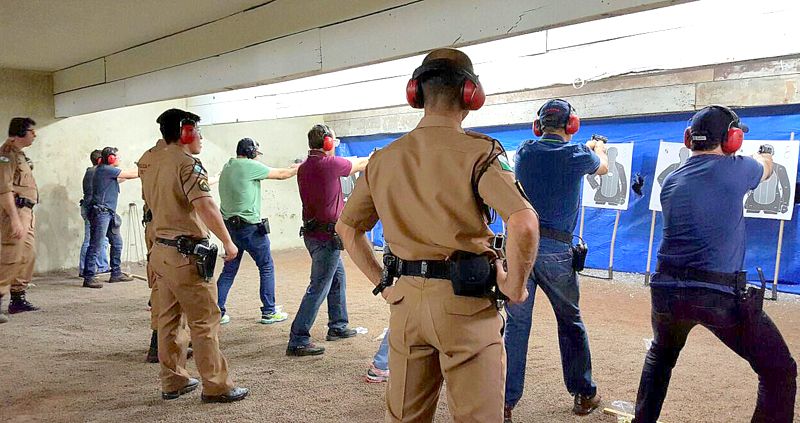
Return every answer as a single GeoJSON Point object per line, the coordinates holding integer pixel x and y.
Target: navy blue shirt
{"type": "Point", "coordinates": [703, 216]}
{"type": "Point", "coordinates": [105, 187]}
{"type": "Point", "coordinates": [87, 185]}
{"type": "Point", "coordinates": [550, 171]}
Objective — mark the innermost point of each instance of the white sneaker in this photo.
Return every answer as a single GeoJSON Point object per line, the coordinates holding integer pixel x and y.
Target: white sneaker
{"type": "Point", "coordinates": [225, 320]}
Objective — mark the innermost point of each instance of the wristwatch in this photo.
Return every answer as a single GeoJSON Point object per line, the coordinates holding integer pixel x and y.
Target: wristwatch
{"type": "Point", "coordinates": [766, 148]}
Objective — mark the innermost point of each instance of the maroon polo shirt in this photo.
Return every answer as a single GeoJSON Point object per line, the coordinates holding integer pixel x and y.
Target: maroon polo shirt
{"type": "Point", "coordinates": [321, 188]}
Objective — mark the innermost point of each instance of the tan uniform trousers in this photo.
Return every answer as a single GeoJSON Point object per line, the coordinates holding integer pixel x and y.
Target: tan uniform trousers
{"type": "Point", "coordinates": [182, 290]}
{"type": "Point", "coordinates": [435, 335]}
{"type": "Point", "coordinates": [17, 256]}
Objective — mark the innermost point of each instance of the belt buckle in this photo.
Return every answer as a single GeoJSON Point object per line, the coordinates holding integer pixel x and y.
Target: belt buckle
{"type": "Point", "coordinates": [423, 268]}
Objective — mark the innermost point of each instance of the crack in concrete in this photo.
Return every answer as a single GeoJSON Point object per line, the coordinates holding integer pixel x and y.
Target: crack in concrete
{"type": "Point", "coordinates": [519, 18]}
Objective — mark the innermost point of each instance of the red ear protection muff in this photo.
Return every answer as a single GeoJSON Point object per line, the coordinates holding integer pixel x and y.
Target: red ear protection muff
{"type": "Point", "coordinates": [99, 160]}
{"type": "Point", "coordinates": [732, 139]}
{"type": "Point", "coordinates": [189, 131]}
{"type": "Point", "coordinates": [111, 159]}
{"type": "Point", "coordinates": [687, 137]}
{"type": "Point", "coordinates": [327, 143]}
{"type": "Point", "coordinates": [472, 95]}
{"type": "Point", "coordinates": [571, 127]}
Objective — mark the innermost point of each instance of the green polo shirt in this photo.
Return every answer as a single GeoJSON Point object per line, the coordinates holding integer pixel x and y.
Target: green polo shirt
{"type": "Point", "coordinates": [240, 189]}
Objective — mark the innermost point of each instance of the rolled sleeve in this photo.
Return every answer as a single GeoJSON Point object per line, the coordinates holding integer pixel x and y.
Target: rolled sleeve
{"type": "Point", "coordinates": [499, 190]}
{"type": "Point", "coordinates": [359, 211]}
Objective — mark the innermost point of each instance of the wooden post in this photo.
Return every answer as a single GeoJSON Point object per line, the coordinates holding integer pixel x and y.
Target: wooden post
{"type": "Point", "coordinates": [650, 249]}
{"type": "Point", "coordinates": [613, 240]}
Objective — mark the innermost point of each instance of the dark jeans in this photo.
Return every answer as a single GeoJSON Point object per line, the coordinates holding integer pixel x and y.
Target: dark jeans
{"type": "Point", "coordinates": [327, 280]}
{"type": "Point", "coordinates": [102, 253]}
{"type": "Point", "coordinates": [755, 338]}
{"type": "Point", "coordinates": [103, 226]}
{"type": "Point", "coordinates": [248, 238]}
{"type": "Point", "coordinates": [553, 273]}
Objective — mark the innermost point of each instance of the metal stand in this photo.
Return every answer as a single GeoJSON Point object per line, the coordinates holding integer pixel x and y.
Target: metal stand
{"type": "Point", "coordinates": [777, 264]}
{"type": "Point", "coordinates": [135, 237]}
{"type": "Point", "coordinates": [650, 249]}
{"type": "Point", "coordinates": [613, 241]}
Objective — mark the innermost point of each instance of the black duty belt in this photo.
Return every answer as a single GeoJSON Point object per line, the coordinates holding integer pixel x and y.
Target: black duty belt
{"type": "Point", "coordinates": [184, 244]}
{"type": "Point", "coordinates": [556, 234]}
{"type": "Point", "coordinates": [238, 222]}
{"type": "Point", "coordinates": [435, 269]}
{"type": "Point", "coordinates": [736, 280]}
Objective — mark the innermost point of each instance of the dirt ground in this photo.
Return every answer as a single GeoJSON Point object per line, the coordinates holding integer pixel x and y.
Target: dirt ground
{"type": "Point", "coordinates": [82, 357]}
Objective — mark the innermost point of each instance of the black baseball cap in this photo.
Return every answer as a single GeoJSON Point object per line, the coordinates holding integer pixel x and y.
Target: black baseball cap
{"type": "Point", "coordinates": [246, 144]}
{"type": "Point", "coordinates": [554, 113]}
{"type": "Point", "coordinates": [713, 122]}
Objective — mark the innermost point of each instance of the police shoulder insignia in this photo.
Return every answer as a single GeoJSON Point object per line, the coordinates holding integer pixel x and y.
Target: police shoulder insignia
{"type": "Point", "coordinates": [4, 159]}
{"type": "Point", "coordinates": [203, 185]}
{"type": "Point", "coordinates": [198, 168]}
{"type": "Point", "coordinates": [504, 163]}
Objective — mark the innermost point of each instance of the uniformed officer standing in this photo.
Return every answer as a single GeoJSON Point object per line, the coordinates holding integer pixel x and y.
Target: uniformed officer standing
{"type": "Point", "coordinates": [698, 279]}
{"type": "Point", "coordinates": [428, 188]}
{"type": "Point", "coordinates": [175, 187]}
{"type": "Point", "coordinates": [18, 195]}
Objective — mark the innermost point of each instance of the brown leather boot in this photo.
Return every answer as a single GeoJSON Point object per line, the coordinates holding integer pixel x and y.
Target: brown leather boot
{"type": "Point", "coordinates": [585, 404]}
{"type": "Point", "coordinates": [507, 414]}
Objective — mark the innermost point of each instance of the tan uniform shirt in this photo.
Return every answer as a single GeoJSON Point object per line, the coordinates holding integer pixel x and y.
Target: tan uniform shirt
{"type": "Point", "coordinates": [16, 174]}
{"type": "Point", "coordinates": [171, 180]}
{"type": "Point", "coordinates": [421, 188]}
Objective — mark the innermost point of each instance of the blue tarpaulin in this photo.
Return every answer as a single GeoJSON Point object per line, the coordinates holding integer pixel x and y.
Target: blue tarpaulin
{"type": "Point", "coordinates": [630, 252]}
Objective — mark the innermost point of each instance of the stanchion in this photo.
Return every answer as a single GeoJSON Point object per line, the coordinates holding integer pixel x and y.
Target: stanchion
{"type": "Point", "coordinates": [613, 240]}
{"type": "Point", "coordinates": [650, 249]}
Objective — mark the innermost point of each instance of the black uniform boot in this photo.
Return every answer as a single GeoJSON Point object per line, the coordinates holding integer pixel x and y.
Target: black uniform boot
{"type": "Point", "coordinates": [19, 304]}
{"type": "Point", "coordinates": [152, 354]}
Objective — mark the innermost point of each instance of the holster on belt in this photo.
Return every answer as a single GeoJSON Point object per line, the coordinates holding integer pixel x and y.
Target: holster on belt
{"type": "Point", "coordinates": [204, 252]}
{"type": "Point", "coordinates": [579, 250]}
{"type": "Point", "coordinates": [22, 202]}
{"type": "Point", "coordinates": [472, 275]}
{"type": "Point", "coordinates": [313, 225]}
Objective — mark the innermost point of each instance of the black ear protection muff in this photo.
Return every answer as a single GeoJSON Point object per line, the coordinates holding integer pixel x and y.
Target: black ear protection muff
{"type": "Point", "coordinates": [472, 94]}
{"type": "Point", "coordinates": [730, 142]}
{"type": "Point", "coordinates": [251, 151]}
{"type": "Point", "coordinates": [571, 125]}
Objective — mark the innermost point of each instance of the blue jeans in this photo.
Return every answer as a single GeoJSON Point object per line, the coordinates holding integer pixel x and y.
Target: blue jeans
{"type": "Point", "coordinates": [103, 226]}
{"type": "Point", "coordinates": [248, 238]}
{"type": "Point", "coordinates": [102, 253]}
{"type": "Point", "coordinates": [752, 336]}
{"type": "Point", "coordinates": [381, 359]}
{"type": "Point", "coordinates": [327, 280]}
{"type": "Point", "coordinates": [553, 273]}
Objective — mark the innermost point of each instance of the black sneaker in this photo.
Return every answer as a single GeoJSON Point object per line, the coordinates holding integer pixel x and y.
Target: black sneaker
{"type": "Point", "coordinates": [235, 394]}
{"type": "Point", "coordinates": [19, 304]}
{"type": "Point", "coordinates": [335, 335]}
{"type": "Point", "coordinates": [304, 350]}
{"type": "Point", "coordinates": [191, 385]}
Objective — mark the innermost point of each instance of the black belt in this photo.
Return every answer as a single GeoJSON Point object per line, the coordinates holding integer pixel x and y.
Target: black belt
{"type": "Point", "coordinates": [556, 235]}
{"type": "Point", "coordinates": [168, 242]}
{"type": "Point", "coordinates": [736, 280]}
{"type": "Point", "coordinates": [434, 269]}
{"type": "Point", "coordinates": [238, 222]}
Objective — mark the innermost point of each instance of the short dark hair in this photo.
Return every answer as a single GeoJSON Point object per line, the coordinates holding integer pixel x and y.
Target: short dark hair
{"type": "Point", "coordinates": [170, 123]}
{"type": "Point", "coordinates": [95, 156]}
{"type": "Point", "coordinates": [317, 134]}
{"type": "Point", "coordinates": [19, 126]}
{"type": "Point", "coordinates": [443, 87]}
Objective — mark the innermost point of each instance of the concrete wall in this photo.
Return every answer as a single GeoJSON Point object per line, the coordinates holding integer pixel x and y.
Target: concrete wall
{"type": "Point", "coordinates": [60, 154]}
{"type": "Point", "coordinates": [742, 84]}
{"type": "Point", "coordinates": [25, 93]}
